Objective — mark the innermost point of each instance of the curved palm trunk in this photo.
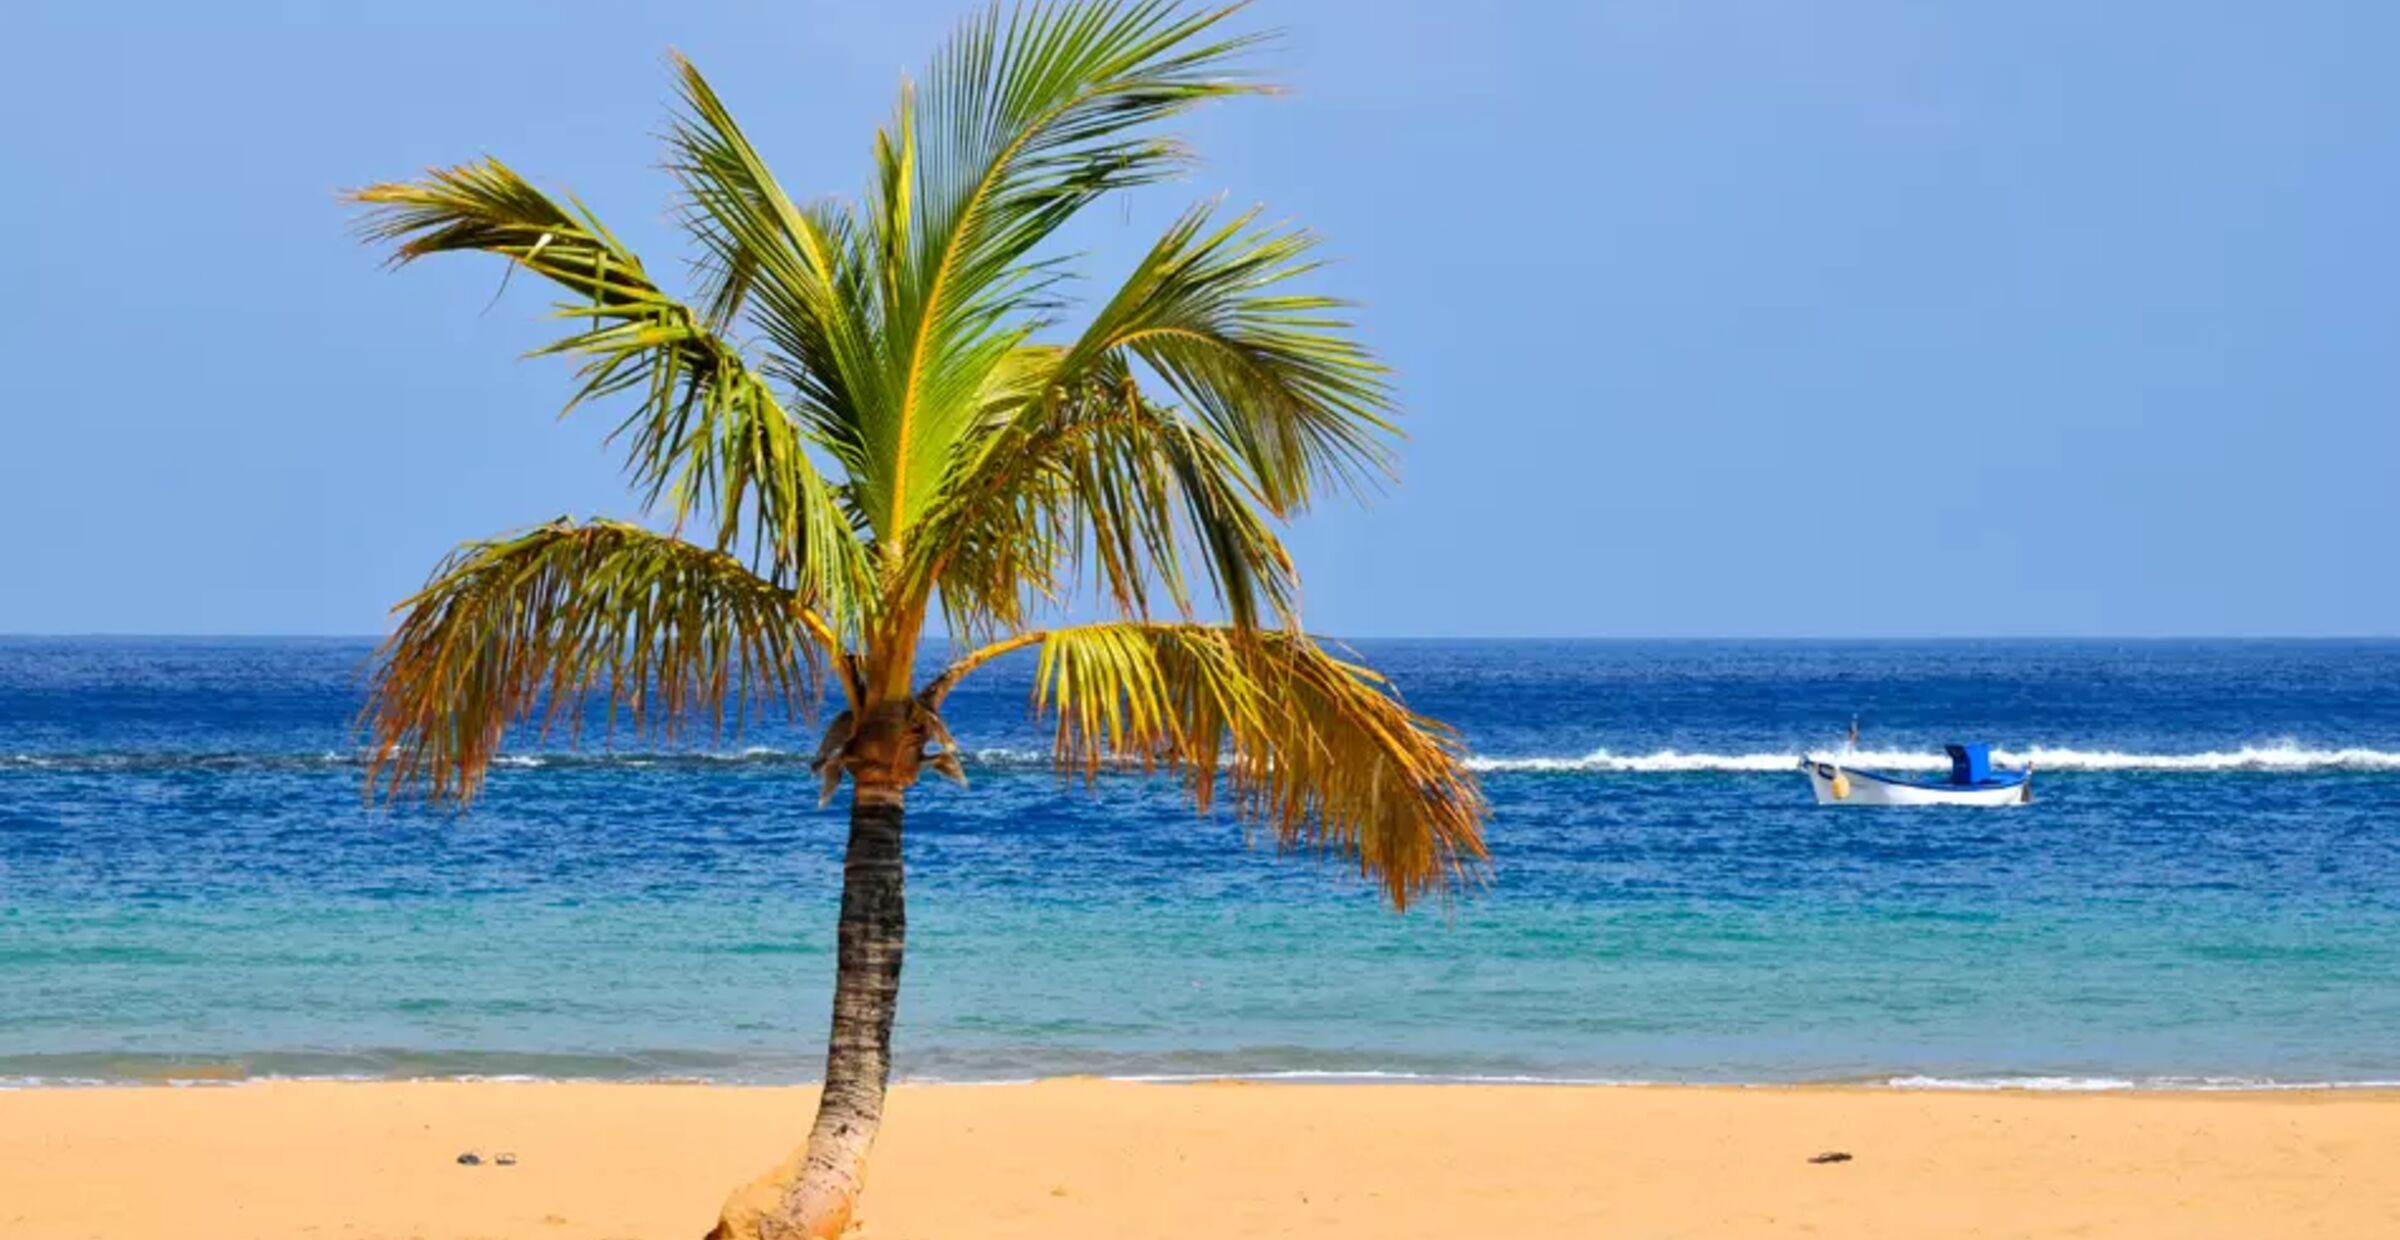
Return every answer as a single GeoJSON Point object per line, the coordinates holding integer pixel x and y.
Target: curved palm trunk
{"type": "Point", "coordinates": [811, 1195]}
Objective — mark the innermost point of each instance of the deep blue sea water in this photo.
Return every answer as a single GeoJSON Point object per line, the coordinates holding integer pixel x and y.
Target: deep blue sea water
{"type": "Point", "coordinates": [2206, 889]}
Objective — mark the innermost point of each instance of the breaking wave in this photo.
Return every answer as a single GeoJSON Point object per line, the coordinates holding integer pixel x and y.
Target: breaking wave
{"type": "Point", "coordinates": [2279, 757]}
{"type": "Point", "coordinates": [2106, 1084]}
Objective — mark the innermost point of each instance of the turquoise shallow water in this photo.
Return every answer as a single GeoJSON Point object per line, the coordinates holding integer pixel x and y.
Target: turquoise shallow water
{"type": "Point", "coordinates": [2203, 892]}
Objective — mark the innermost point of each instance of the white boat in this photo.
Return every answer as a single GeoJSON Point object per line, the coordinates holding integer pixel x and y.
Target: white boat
{"type": "Point", "coordinates": [1972, 780]}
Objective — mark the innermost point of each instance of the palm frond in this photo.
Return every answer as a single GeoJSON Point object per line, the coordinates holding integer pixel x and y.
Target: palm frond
{"type": "Point", "coordinates": [1314, 750]}
{"type": "Point", "coordinates": [527, 628]}
{"type": "Point", "coordinates": [1024, 118]}
{"type": "Point", "coordinates": [803, 271]}
{"type": "Point", "coordinates": [1099, 479]}
{"type": "Point", "coordinates": [1274, 373]}
{"type": "Point", "coordinates": [706, 432]}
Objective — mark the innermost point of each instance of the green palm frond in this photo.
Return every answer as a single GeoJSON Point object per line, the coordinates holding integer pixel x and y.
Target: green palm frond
{"type": "Point", "coordinates": [1274, 373]}
{"type": "Point", "coordinates": [1101, 479]}
{"type": "Point", "coordinates": [1024, 118]}
{"type": "Point", "coordinates": [1277, 399]}
{"type": "Point", "coordinates": [802, 269]}
{"type": "Point", "coordinates": [1314, 750]}
{"type": "Point", "coordinates": [527, 628]}
{"type": "Point", "coordinates": [707, 432]}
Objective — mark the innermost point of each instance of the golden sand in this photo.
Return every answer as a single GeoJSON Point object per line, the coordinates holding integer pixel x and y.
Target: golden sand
{"type": "Point", "coordinates": [1094, 1160]}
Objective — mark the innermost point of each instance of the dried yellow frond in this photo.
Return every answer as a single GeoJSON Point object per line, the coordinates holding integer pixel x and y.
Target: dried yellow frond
{"type": "Point", "coordinates": [1310, 748]}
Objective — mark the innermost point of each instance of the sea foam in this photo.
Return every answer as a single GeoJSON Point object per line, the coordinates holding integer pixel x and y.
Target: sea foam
{"type": "Point", "coordinates": [2108, 1084]}
{"type": "Point", "coordinates": [2283, 756]}
{"type": "Point", "coordinates": [2276, 757]}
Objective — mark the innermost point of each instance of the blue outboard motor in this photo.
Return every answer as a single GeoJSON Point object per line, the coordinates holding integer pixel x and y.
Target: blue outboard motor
{"type": "Point", "coordinates": [1970, 764]}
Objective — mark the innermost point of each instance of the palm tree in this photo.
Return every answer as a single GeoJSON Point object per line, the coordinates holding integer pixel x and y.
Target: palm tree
{"type": "Point", "coordinates": [867, 412]}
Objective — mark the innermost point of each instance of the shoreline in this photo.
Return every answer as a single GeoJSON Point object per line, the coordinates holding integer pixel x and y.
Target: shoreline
{"type": "Point", "coordinates": [1082, 1159]}
{"type": "Point", "coordinates": [230, 1073]}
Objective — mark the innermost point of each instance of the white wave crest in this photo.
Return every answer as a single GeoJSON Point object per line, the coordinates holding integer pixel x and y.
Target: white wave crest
{"type": "Point", "coordinates": [2101, 1084]}
{"type": "Point", "coordinates": [2280, 756]}
{"type": "Point", "coordinates": [1038, 760]}
{"type": "Point", "coordinates": [1370, 1076]}
{"type": "Point", "coordinates": [1661, 762]}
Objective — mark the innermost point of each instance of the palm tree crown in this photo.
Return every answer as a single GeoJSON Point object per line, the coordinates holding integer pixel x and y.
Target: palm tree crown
{"type": "Point", "coordinates": [907, 435]}
{"type": "Point", "coordinates": [865, 413]}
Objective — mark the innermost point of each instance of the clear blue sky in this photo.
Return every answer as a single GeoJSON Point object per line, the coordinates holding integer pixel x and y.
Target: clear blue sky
{"type": "Point", "coordinates": [2085, 318]}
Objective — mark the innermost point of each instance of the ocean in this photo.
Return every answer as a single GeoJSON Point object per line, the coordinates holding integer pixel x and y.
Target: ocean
{"type": "Point", "coordinates": [2205, 890]}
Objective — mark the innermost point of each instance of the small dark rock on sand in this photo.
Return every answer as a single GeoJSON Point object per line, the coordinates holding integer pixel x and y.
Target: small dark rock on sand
{"type": "Point", "coordinates": [1831, 1156]}
{"type": "Point", "coordinates": [470, 1160]}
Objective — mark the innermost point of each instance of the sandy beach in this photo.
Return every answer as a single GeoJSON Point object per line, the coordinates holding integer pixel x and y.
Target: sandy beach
{"type": "Point", "coordinates": [1088, 1159]}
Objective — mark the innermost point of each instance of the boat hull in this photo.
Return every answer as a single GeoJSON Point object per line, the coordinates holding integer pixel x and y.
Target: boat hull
{"type": "Point", "coordinates": [1866, 788]}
